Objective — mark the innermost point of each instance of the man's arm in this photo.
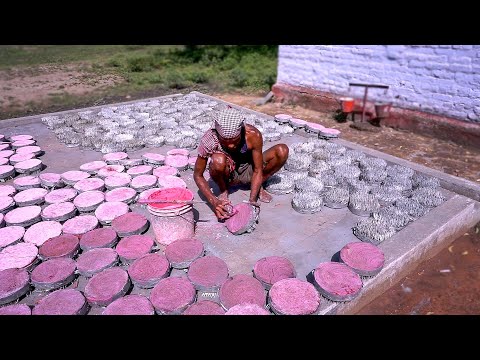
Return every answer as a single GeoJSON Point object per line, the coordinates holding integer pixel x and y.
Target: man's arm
{"type": "Point", "coordinates": [200, 166]}
{"type": "Point", "coordinates": [256, 141]}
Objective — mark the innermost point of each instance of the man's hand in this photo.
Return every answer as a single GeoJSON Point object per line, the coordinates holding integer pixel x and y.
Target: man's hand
{"type": "Point", "coordinates": [253, 203]}
{"type": "Point", "coordinates": [219, 209]}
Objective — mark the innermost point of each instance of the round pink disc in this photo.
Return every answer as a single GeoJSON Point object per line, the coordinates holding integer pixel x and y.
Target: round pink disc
{"type": "Point", "coordinates": [65, 245]}
{"type": "Point", "coordinates": [117, 180]}
{"type": "Point", "coordinates": [107, 286]}
{"type": "Point", "coordinates": [94, 261]}
{"type": "Point", "coordinates": [271, 269]}
{"type": "Point", "coordinates": [208, 273]}
{"type": "Point", "coordinates": [18, 256]}
{"type": "Point", "coordinates": [108, 211]}
{"type": "Point", "coordinates": [6, 171]}
{"type": "Point", "coordinates": [148, 270]}
{"type": "Point", "coordinates": [242, 289]}
{"type": "Point", "coordinates": [40, 232]}
{"type": "Point", "coordinates": [122, 194]}
{"type": "Point", "coordinates": [170, 181]}
{"type": "Point", "coordinates": [247, 309]}
{"type": "Point", "coordinates": [62, 302]}
{"type": "Point", "coordinates": [93, 166]}
{"type": "Point", "coordinates": [293, 297]}
{"type": "Point", "coordinates": [16, 309]}
{"type": "Point", "coordinates": [20, 143]}
{"type": "Point", "coordinates": [30, 196]}
{"type": "Point", "coordinates": [182, 152]}
{"type": "Point", "coordinates": [130, 223]}
{"type": "Point", "coordinates": [11, 235]}
{"type": "Point", "coordinates": [110, 170]}
{"type": "Point", "coordinates": [89, 200]}
{"type": "Point", "coordinates": [91, 184]}
{"type": "Point", "coordinates": [14, 159]}
{"type": "Point", "coordinates": [29, 150]}
{"type": "Point", "coordinates": [51, 180]}
{"type": "Point", "coordinates": [6, 203]}
{"type": "Point", "coordinates": [165, 170]}
{"type": "Point", "coordinates": [181, 253]}
{"type": "Point", "coordinates": [114, 158]}
{"type": "Point", "coordinates": [153, 158]}
{"type": "Point", "coordinates": [98, 238]}
{"type": "Point", "coordinates": [80, 225]}
{"type": "Point", "coordinates": [4, 161]}
{"type": "Point", "coordinates": [21, 137]}
{"type": "Point", "coordinates": [134, 247]}
{"type": "Point", "coordinates": [364, 258]}
{"type": "Point", "coordinates": [24, 216]}
{"type": "Point", "coordinates": [242, 220]}
{"type": "Point", "coordinates": [336, 281]}
{"type": "Point", "coordinates": [59, 212]}
{"type": "Point", "coordinates": [330, 131]}
{"type": "Point", "coordinates": [140, 170]}
{"type": "Point", "coordinates": [179, 162]}
{"type": "Point", "coordinates": [6, 153]}
{"type": "Point", "coordinates": [60, 195]}
{"type": "Point", "coordinates": [26, 182]}
{"type": "Point", "coordinates": [53, 273]}
{"type": "Point", "coordinates": [143, 182]}
{"type": "Point", "coordinates": [130, 305]}
{"type": "Point", "coordinates": [204, 307]}
{"type": "Point", "coordinates": [14, 283]}
{"type": "Point", "coordinates": [172, 295]}
{"type": "Point", "coordinates": [7, 190]}
{"type": "Point", "coordinates": [71, 177]}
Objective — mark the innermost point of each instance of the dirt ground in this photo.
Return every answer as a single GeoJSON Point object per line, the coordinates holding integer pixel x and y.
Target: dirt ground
{"type": "Point", "coordinates": [448, 283]}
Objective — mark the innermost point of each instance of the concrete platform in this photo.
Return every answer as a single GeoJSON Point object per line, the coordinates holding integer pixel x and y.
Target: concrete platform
{"type": "Point", "coordinates": [306, 240]}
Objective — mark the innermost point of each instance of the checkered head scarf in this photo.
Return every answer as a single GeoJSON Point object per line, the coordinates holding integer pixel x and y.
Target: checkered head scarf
{"type": "Point", "coordinates": [229, 123]}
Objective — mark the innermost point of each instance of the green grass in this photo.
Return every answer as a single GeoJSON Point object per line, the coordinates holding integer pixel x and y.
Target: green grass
{"type": "Point", "coordinates": [153, 69]}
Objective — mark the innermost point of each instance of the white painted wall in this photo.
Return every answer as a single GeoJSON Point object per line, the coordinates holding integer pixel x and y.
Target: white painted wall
{"type": "Point", "coordinates": [438, 79]}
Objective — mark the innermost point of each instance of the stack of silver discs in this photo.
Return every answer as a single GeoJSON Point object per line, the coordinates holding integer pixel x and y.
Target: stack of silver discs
{"type": "Point", "coordinates": [307, 202]}
{"type": "Point", "coordinates": [336, 197]}
{"type": "Point", "coordinates": [412, 207]}
{"type": "Point", "coordinates": [393, 216]}
{"type": "Point", "coordinates": [363, 204]}
{"type": "Point", "coordinates": [280, 183]}
{"type": "Point", "coordinates": [373, 231]}
{"type": "Point", "coordinates": [428, 196]}
{"type": "Point", "coordinates": [309, 184]}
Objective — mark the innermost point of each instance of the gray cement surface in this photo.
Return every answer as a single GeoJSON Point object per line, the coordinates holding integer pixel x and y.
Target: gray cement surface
{"type": "Point", "coordinates": [306, 240]}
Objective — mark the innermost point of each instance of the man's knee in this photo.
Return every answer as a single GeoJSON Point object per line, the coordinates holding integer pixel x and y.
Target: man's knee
{"type": "Point", "coordinates": [282, 152]}
{"type": "Point", "coordinates": [218, 163]}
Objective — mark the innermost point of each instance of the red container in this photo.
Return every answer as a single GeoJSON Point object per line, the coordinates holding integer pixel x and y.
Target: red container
{"type": "Point", "coordinates": [348, 104]}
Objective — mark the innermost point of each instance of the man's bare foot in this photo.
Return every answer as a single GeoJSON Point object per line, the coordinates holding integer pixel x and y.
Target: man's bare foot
{"type": "Point", "coordinates": [264, 196]}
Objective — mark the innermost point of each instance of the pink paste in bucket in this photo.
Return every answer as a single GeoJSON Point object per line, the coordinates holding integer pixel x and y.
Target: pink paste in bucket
{"type": "Point", "coordinates": [30, 196]}
{"type": "Point", "coordinates": [117, 180]}
{"type": "Point", "coordinates": [294, 297]}
{"type": "Point", "coordinates": [89, 200]}
{"type": "Point", "coordinates": [130, 305]}
{"type": "Point", "coordinates": [50, 179]}
{"type": "Point", "coordinates": [143, 182]}
{"type": "Point", "coordinates": [42, 231]}
{"type": "Point", "coordinates": [91, 184]}
{"type": "Point", "coordinates": [172, 295]}
{"type": "Point", "coordinates": [242, 220]}
{"type": "Point", "coordinates": [94, 261]}
{"type": "Point", "coordinates": [26, 182]}
{"type": "Point", "coordinates": [24, 216]}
